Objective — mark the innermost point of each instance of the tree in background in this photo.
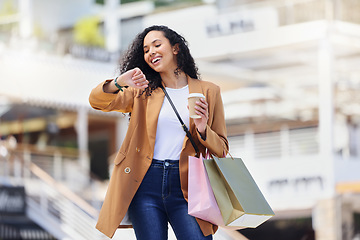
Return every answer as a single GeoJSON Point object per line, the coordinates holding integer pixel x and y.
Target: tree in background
{"type": "Point", "coordinates": [7, 9]}
{"type": "Point", "coordinates": [87, 32]}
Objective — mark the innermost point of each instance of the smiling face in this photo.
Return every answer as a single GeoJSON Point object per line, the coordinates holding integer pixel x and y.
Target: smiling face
{"type": "Point", "coordinates": [158, 52]}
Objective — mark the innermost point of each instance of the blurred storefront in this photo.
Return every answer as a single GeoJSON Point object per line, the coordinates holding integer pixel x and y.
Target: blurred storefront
{"type": "Point", "coordinates": [14, 223]}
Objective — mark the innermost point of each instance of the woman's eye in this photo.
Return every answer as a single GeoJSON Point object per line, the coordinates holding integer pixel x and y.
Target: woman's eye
{"type": "Point", "coordinates": [146, 51]}
{"type": "Point", "coordinates": [158, 45]}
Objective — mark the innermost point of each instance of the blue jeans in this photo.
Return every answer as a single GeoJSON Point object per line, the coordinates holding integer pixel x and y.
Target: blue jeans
{"type": "Point", "coordinates": [159, 200]}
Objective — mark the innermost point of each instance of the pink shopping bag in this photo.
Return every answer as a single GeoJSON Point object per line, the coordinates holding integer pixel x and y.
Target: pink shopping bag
{"type": "Point", "coordinates": [201, 200]}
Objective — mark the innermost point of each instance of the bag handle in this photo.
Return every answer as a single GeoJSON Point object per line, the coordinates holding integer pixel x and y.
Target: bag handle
{"type": "Point", "coordinates": [188, 134]}
{"type": "Point", "coordinates": [207, 154]}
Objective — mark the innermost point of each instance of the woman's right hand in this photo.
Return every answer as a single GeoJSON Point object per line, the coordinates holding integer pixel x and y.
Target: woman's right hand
{"type": "Point", "coordinates": [133, 78]}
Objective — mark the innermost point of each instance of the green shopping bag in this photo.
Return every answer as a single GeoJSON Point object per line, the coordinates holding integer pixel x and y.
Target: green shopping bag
{"type": "Point", "coordinates": [239, 198]}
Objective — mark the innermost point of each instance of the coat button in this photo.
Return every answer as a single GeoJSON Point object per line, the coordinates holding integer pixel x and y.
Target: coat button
{"type": "Point", "coordinates": [127, 170]}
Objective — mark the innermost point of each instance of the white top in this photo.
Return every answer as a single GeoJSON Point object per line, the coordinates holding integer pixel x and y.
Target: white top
{"type": "Point", "coordinates": [169, 133]}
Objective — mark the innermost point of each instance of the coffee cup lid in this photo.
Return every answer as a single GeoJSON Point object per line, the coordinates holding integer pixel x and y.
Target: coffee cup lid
{"type": "Point", "coordinates": [196, 95]}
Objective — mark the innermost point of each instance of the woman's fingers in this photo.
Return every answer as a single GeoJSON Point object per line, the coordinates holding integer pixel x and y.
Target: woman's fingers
{"type": "Point", "coordinates": [201, 108]}
{"type": "Point", "coordinates": [139, 79]}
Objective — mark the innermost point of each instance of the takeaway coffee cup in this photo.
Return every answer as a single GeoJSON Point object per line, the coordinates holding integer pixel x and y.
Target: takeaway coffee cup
{"type": "Point", "coordinates": [192, 99]}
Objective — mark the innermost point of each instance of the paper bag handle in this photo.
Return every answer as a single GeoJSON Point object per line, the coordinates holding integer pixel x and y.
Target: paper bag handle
{"type": "Point", "coordinates": [207, 154]}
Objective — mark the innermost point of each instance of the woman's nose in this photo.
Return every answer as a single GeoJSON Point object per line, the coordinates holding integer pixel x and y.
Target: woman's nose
{"type": "Point", "coordinates": [152, 51]}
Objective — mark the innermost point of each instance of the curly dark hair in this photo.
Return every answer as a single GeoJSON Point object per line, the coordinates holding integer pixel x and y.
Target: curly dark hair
{"type": "Point", "coordinates": [134, 57]}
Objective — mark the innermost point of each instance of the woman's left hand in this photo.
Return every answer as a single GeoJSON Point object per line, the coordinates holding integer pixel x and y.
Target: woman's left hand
{"type": "Point", "coordinates": [201, 109]}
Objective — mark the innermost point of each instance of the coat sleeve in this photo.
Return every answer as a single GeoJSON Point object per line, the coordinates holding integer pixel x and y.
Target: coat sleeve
{"type": "Point", "coordinates": [216, 137]}
{"type": "Point", "coordinates": [121, 101]}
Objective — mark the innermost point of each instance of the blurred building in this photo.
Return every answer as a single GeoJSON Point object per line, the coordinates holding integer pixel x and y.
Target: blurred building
{"type": "Point", "coordinates": [289, 74]}
{"type": "Point", "coordinates": [290, 80]}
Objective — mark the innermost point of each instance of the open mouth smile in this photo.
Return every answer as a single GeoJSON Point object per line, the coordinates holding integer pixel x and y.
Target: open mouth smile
{"type": "Point", "coordinates": [155, 60]}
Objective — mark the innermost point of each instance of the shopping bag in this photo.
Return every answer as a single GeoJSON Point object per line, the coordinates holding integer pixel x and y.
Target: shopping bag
{"type": "Point", "coordinates": [239, 198]}
{"type": "Point", "coordinates": [201, 199]}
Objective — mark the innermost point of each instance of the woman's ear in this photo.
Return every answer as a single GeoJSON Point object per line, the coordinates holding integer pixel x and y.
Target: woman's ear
{"type": "Point", "coordinates": [176, 48]}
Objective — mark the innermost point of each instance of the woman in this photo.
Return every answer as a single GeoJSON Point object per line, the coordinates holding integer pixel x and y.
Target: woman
{"type": "Point", "coordinates": [149, 180]}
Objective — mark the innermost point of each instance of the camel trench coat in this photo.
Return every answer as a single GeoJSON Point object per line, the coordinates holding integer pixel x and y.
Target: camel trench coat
{"type": "Point", "coordinates": [136, 152]}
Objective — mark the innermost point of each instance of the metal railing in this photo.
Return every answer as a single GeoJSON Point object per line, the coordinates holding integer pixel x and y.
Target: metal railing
{"type": "Point", "coordinates": [50, 203]}
{"type": "Point", "coordinates": [49, 199]}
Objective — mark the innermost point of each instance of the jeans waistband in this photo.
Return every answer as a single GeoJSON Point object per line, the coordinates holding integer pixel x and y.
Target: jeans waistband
{"type": "Point", "coordinates": [165, 163]}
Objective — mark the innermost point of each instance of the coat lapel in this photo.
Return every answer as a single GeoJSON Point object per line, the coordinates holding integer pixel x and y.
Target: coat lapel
{"type": "Point", "coordinates": [194, 87]}
{"type": "Point", "coordinates": [155, 102]}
